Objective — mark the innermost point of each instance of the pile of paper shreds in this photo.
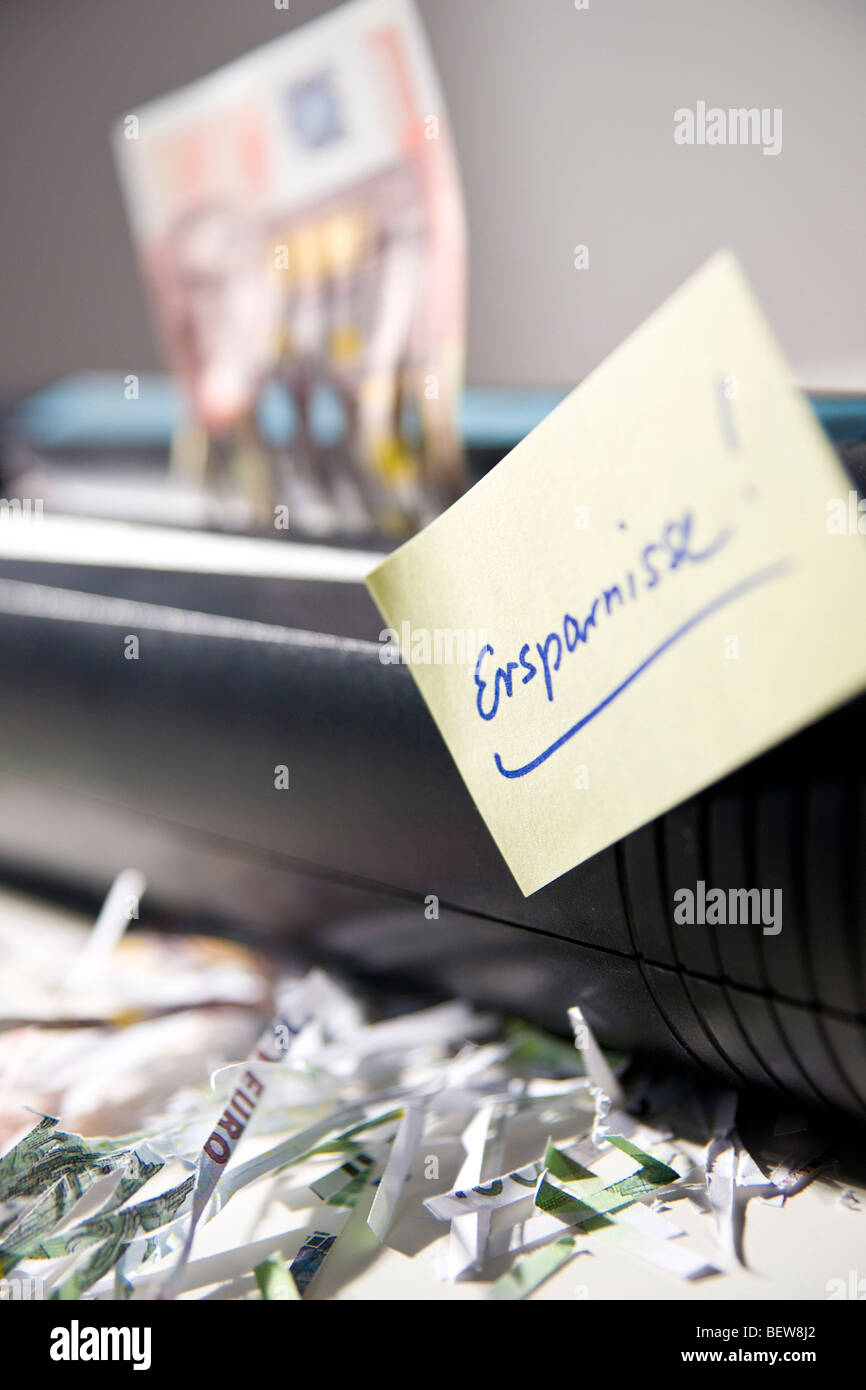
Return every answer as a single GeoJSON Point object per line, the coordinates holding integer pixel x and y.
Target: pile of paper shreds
{"type": "Point", "coordinates": [332, 1117]}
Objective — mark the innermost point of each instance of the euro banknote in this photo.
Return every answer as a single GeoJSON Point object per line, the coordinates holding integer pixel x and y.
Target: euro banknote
{"type": "Point", "coordinates": [300, 227]}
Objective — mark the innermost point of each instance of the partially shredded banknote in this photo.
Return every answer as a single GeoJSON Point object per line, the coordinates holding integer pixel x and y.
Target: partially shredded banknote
{"type": "Point", "coordinates": [300, 226]}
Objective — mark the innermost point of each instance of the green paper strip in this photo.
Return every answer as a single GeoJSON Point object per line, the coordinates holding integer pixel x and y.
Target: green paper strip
{"type": "Point", "coordinates": [275, 1281]}
{"type": "Point", "coordinates": [530, 1273]}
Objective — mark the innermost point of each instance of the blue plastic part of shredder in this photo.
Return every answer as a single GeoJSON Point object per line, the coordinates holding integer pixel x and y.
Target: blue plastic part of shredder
{"type": "Point", "coordinates": [93, 410]}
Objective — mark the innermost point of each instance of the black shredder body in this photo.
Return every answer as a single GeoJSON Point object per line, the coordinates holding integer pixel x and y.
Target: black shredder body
{"type": "Point", "coordinates": [375, 857]}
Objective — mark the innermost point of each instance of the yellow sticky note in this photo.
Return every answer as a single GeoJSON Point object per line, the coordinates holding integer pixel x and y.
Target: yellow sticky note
{"type": "Point", "coordinates": [645, 594]}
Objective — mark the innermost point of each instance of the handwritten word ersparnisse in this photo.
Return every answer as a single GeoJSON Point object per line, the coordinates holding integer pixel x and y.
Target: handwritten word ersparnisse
{"type": "Point", "coordinates": [674, 550]}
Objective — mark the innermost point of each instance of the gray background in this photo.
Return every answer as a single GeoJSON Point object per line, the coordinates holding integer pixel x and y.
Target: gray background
{"type": "Point", "coordinates": [564, 123]}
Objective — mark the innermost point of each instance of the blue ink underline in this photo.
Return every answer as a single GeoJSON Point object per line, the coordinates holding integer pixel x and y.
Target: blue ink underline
{"type": "Point", "coordinates": [753, 581]}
